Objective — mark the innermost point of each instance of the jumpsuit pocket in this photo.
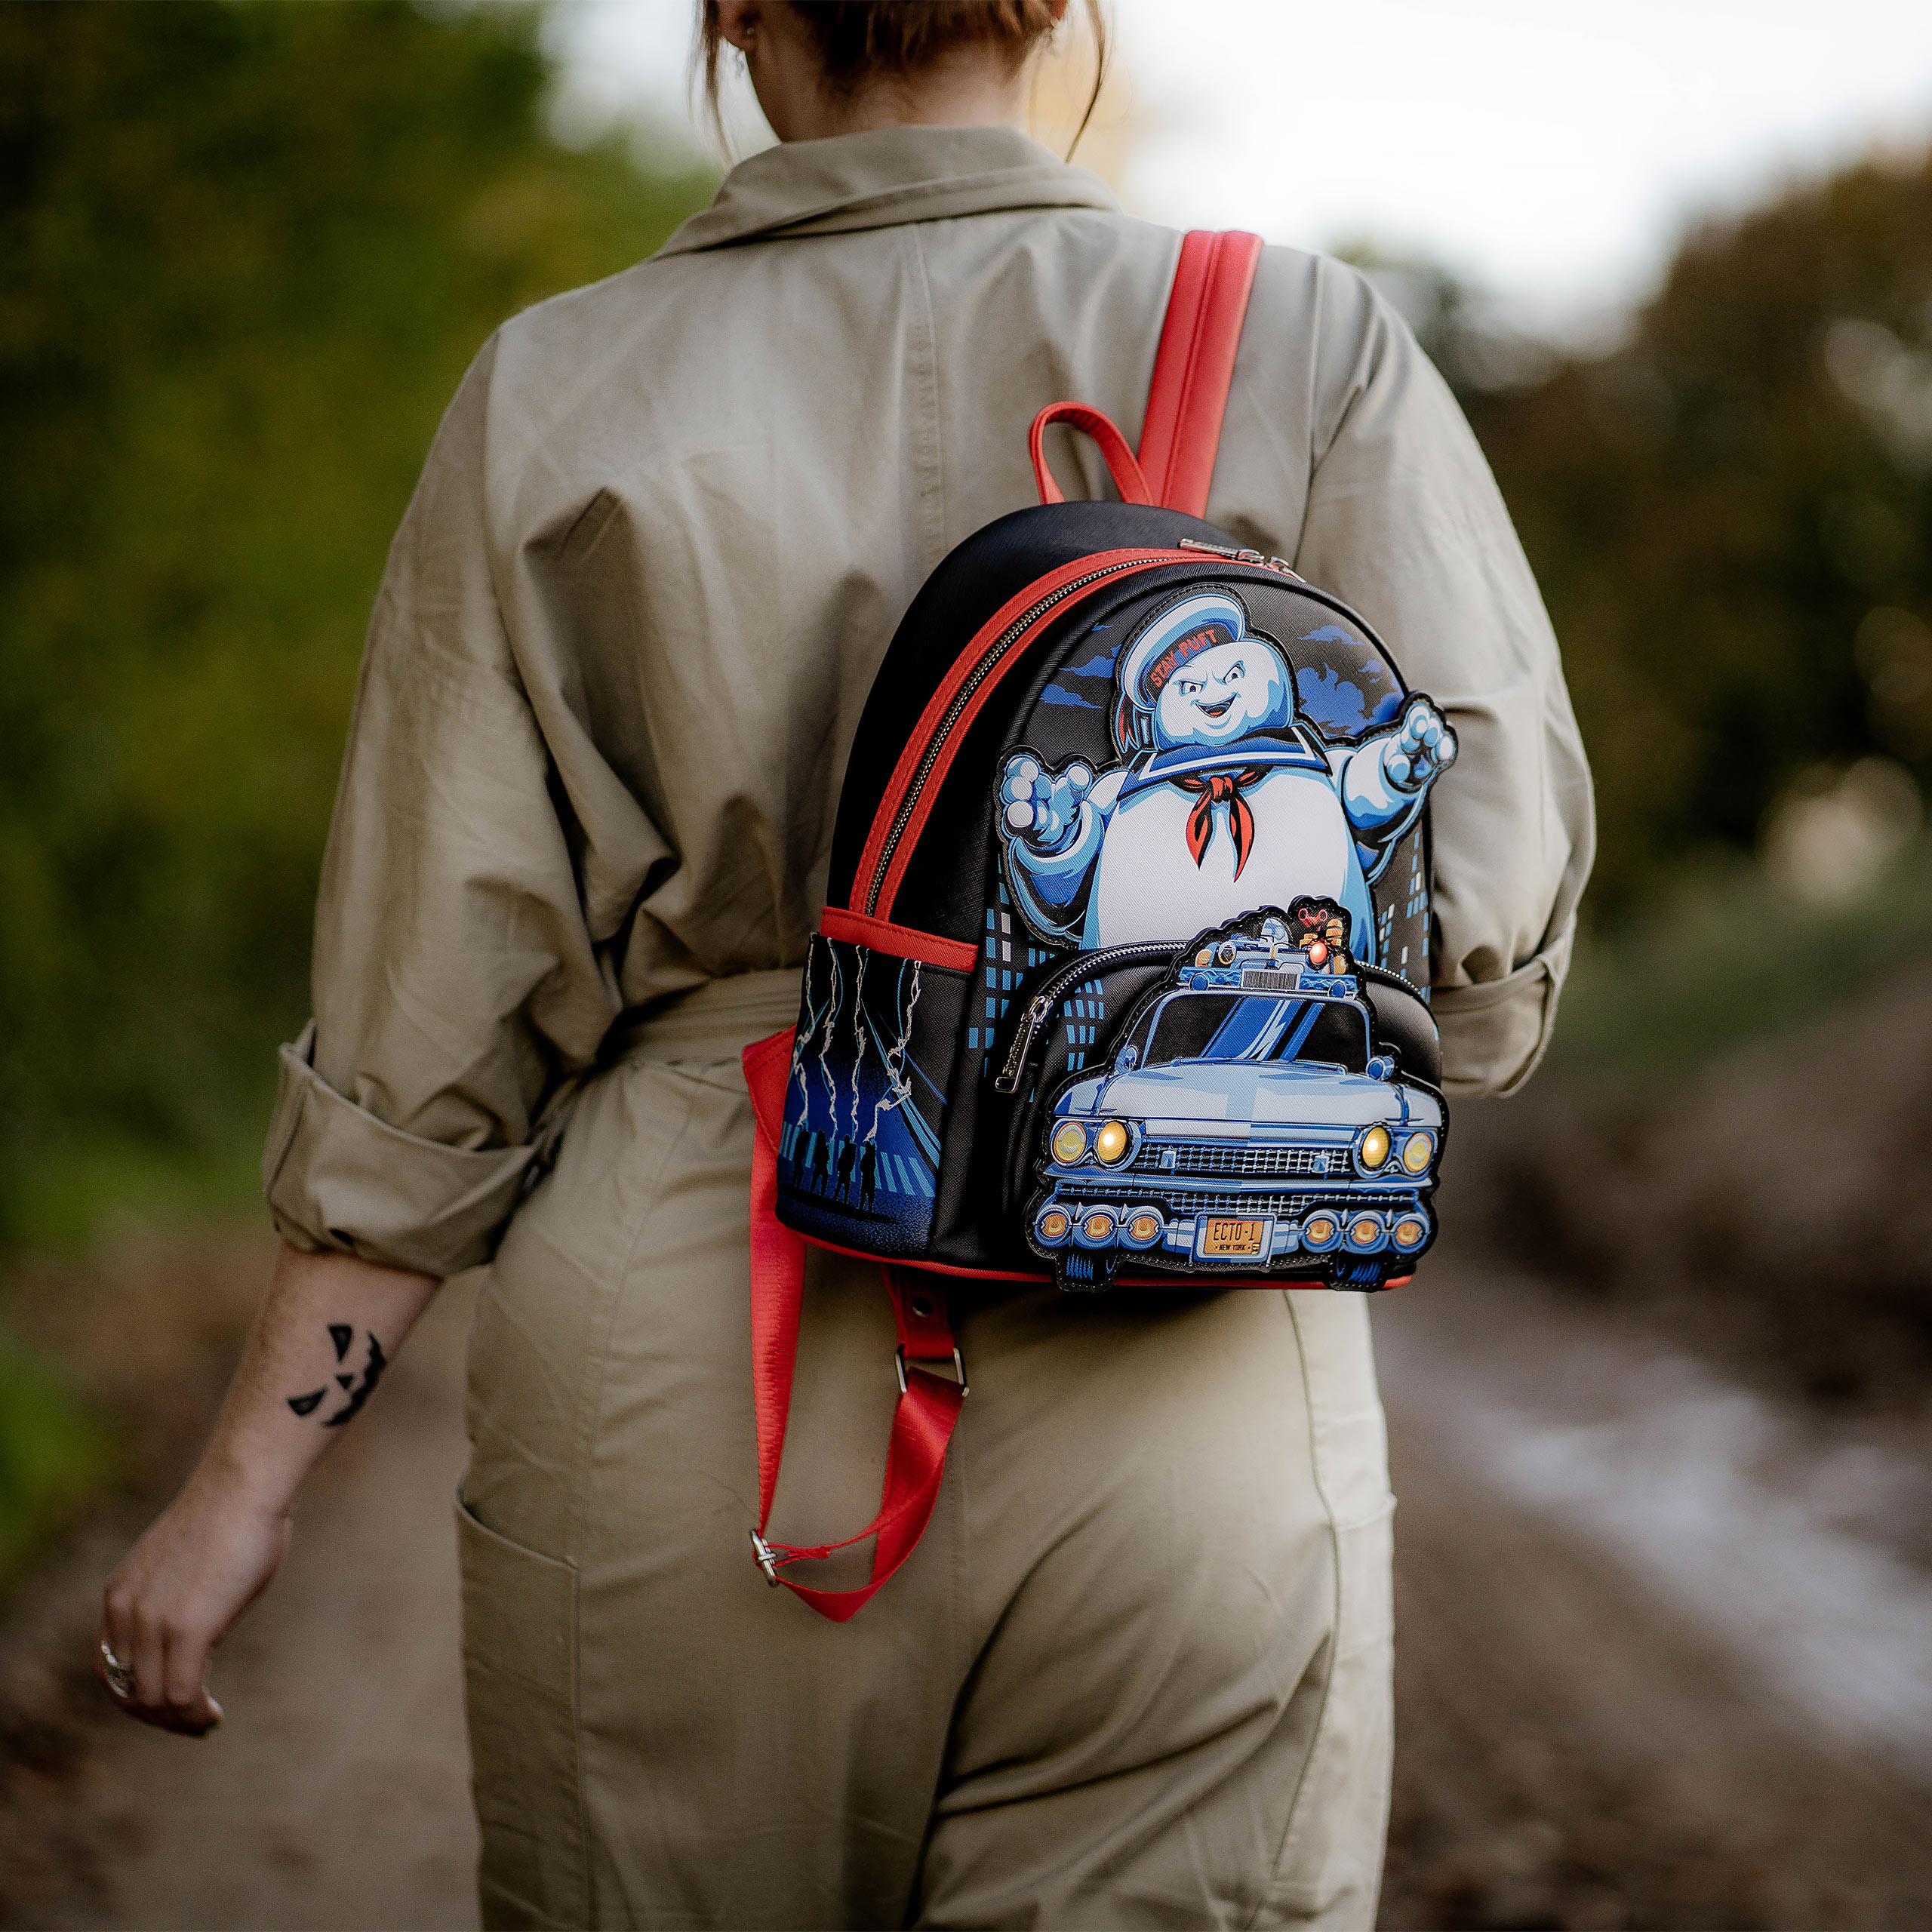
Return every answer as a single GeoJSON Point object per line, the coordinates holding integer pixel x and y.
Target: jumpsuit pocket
{"type": "Point", "coordinates": [519, 1658]}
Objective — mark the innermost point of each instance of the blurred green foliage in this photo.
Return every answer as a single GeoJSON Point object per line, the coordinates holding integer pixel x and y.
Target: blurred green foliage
{"type": "Point", "coordinates": [1731, 516]}
{"type": "Point", "coordinates": [53, 1454]}
{"type": "Point", "coordinates": [245, 254]}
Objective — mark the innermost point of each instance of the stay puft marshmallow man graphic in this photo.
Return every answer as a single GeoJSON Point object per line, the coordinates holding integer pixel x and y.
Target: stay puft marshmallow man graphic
{"type": "Point", "coordinates": [1225, 798]}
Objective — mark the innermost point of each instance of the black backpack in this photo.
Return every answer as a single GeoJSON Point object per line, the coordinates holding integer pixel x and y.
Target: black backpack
{"type": "Point", "coordinates": [1122, 978]}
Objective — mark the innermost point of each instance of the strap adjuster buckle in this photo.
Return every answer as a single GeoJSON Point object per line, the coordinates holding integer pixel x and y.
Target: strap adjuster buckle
{"type": "Point", "coordinates": [766, 1557]}
{"type": "Point", "coordinates": [958, 1368]}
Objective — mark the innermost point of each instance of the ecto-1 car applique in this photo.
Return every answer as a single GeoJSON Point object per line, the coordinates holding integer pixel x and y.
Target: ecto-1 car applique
{"type": "Point", "coordinates": [1251, 1122]}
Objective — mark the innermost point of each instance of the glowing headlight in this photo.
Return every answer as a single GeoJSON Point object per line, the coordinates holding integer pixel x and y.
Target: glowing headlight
{"type": "Point", "coordinates": [1069, 1142]}
{"type": "Point", "coordinates": [1375, 1147]}
{"type": "Point", "coordinates": [1098, 1226]}
{"type": "Point", "coordinates": [1110, 1143]}
{"type": "Point", "coordinates": [1052, 1227]}
{"type": "Point", "coordinates": [1415, 1152]}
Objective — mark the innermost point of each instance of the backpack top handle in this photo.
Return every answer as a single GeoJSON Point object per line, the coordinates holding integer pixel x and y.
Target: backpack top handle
{"type": "Point", "coordinates": [1122, 465]}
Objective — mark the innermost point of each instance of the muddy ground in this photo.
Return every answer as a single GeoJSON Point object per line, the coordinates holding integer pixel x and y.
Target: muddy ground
{"type": "Point", "coordinates": [1665, 1625]}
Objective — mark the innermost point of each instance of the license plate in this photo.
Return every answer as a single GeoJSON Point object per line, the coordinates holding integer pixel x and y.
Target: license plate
{"type": "Point", "coordinates": [1233, 1240]}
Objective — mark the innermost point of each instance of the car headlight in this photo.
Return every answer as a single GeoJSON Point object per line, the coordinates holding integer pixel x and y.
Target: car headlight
{"type": "Point", "coordinates": [1099, 1225]}
{"type": "Point", "coordinates": [1417, 1150]}
{"type": "Point", "coordinates": [1373, 1148]}
{"type": "Point", "coordinates": [1409, 1232]}
{"type": "Point", "coordinates": [1052, 1227]}
{"type": "Point", "coordinates": [1144, 1229]}
{"type": "Point", "coordinates": [1069, 1142]}
{"type": "Point", "coordinates": [1111, 1143]}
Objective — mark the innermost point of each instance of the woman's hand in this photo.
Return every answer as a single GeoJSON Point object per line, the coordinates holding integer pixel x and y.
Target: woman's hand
{"type": "Point", "coordinates": [176, 1594]}
{"type": "Point", "coordinates": [326, 1331]}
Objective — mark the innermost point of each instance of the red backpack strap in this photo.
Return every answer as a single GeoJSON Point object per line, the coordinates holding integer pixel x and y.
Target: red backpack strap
{"type": "Point", "coordinates": [928, 1404]}
{"type": "Point", "coordinates": [1195, 365]}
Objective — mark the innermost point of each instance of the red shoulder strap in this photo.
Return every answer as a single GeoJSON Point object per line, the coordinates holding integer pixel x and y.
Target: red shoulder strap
{"type": "Point", "coordinates": [928, 1404]}
{"type": "Point", "coordinates": [1193, 368]}
{"type": "Point", "coordinates": [1195, 365]}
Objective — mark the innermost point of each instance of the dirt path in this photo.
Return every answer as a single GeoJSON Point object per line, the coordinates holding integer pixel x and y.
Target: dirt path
{"type": "Point", "coordinates": [335, 1796]}
{"type": "Point", "coordinates": [1650, 1672]}
{"type": "Point", "coordinates": [1652, 1668]}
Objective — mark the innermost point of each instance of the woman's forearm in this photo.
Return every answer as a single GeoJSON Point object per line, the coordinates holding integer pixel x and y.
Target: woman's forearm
{"type": "Point", "coordinates": [328, 1328]}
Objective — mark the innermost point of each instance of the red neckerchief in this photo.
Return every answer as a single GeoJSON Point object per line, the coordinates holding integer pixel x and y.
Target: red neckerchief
{"type": "Point", "coordinates": [1221, 787]}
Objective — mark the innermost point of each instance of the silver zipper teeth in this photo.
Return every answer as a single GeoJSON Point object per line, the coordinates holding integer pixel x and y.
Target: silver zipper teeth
{"type": "Point", "coordinates": [961, 698]}
{"type": "Point", "coordinates": [1040, 1008]}
{"type": "Point", "coordinates": [1275, 563]}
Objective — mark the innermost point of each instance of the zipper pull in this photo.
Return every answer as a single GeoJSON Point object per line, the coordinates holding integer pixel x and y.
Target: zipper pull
{"type": "Point", "coordinates": [1038, 1010]}
{"type": "Point", "coordinates": [1061, 982]}
{"type": "Point", "coordinates": [1275, 563]}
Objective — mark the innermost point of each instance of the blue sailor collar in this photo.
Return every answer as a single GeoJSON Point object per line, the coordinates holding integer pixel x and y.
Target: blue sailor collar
{"type": "Point", "coordinates": [1263, 749]}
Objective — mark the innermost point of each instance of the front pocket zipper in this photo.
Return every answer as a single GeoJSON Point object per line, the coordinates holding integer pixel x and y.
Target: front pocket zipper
{"type": "Point", "coordinates": [1039, 1009]}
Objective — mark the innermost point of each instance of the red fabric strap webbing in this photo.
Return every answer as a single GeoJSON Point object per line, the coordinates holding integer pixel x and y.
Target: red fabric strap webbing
{"type": "Point", "coordinates": [927, 1408]}
{"type": "Point", "coordinates": [1195, 365]}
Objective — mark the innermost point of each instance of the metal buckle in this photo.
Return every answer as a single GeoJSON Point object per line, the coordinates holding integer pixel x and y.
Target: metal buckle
{"type": "Point", "coordinates": [767, 1558]}
{"type": "Point", "coordinates": [958, 1368]}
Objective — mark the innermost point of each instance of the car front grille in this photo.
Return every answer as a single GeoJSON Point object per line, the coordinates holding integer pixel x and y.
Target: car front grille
{"type": "Point", "coordinates": [1238, 1160]}
{"type": "Point", "coordinates": [1183, 1200]}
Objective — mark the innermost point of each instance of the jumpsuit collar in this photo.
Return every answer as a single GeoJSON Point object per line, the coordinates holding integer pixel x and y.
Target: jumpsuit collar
{"type": "Point", "coordinates": [882, 178]}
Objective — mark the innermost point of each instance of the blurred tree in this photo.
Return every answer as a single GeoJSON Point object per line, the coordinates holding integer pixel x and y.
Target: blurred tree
{"type": "Point", "coordinates": [245, 254]}
{"type": "Point", "coordinates": [1731, 516]}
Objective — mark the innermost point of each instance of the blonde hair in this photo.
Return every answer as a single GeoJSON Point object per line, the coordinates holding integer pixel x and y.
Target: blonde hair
{"type": "Point", "coordinates": [857, 41]}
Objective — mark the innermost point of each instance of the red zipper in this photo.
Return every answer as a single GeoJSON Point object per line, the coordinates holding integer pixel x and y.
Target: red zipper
{"type": "Point", "coordinates": [996, 647]}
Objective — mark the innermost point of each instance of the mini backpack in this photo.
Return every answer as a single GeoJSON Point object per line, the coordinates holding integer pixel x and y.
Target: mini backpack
{"type": "Point", "coordinates": [1122, 978]}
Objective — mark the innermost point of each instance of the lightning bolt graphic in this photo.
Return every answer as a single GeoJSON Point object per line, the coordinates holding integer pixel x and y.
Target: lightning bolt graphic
{"type": "Point", "coordinates": [825, 1050]}
{"type": "Point", "coordinates": [894, 1056]}
{"type": "Point", "coordinates": [858, 1028]}
{"type": "Point", "coordinates": [802, 1039]}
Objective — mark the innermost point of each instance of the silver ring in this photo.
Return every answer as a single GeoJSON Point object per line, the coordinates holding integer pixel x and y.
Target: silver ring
{"type": "Point", "coordinates": [120, 1677]}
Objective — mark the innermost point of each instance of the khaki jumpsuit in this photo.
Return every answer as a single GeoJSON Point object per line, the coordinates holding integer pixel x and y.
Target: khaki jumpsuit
{"type": "Point", "coordinates": [1137, 1672]}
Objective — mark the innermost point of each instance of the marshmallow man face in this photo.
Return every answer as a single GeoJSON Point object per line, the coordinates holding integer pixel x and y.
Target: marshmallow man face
{"type": "Point", "coordinates": [1223, 694]}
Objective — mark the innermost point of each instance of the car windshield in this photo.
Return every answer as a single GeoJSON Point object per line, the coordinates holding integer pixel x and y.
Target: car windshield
{"type": "Point", "coordinates": [1234, 1025]}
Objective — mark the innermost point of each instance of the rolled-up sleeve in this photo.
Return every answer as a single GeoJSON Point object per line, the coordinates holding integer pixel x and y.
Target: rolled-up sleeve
{"type": "Point", "coordinates": [457, 992]}
{"type": "Point", "coordinates": [1405, 521]}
